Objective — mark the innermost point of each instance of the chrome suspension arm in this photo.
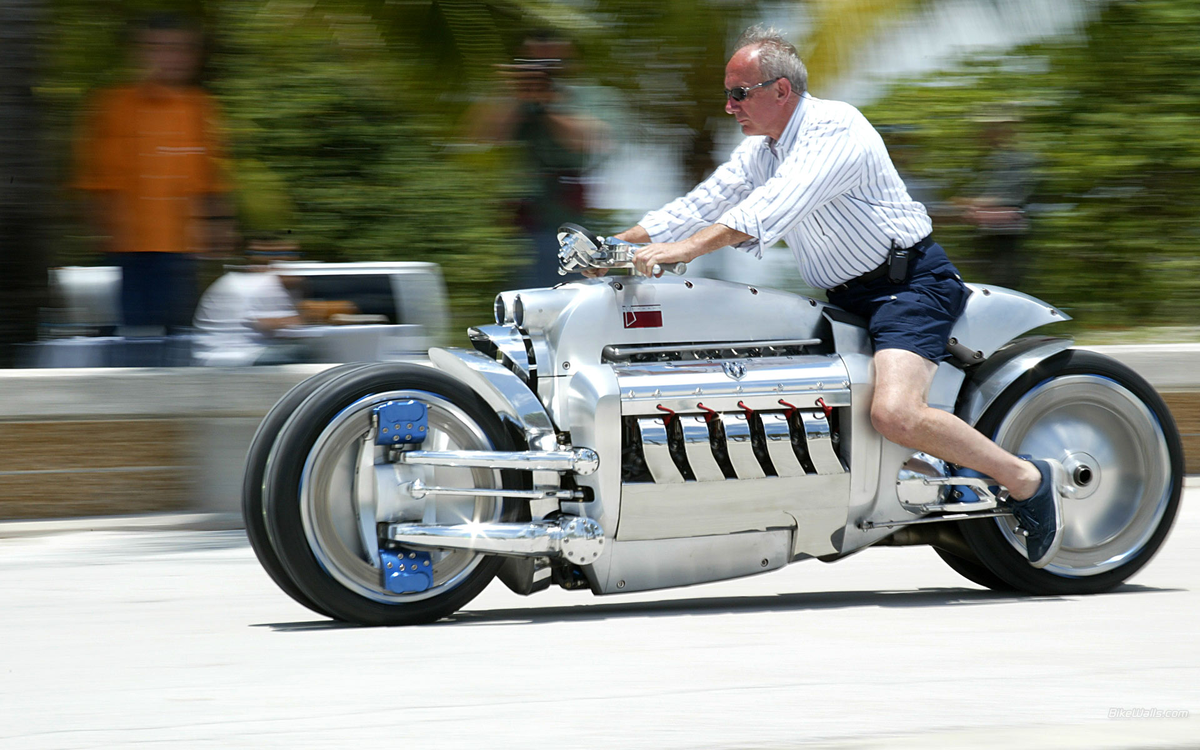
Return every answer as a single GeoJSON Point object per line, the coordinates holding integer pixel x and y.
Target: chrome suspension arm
{"type": "Point", "coordinates": [579, 460]}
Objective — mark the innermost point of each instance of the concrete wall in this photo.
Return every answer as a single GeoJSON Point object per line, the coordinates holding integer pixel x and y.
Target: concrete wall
{"type": "Point", "coordinates": [77, 442]}
{"type": "Point", "coordinates": [119, 441]}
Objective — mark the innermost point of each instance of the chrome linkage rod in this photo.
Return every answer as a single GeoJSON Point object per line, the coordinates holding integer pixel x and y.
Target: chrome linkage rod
{"type": "Point", "coordinates": [579, 460]}
{"type": "Point", "coordinates": [419, 490]}
{"type": "Point", "coordinates": [868, 525]}
{"type": "Point", "coordinates": [579, 540]}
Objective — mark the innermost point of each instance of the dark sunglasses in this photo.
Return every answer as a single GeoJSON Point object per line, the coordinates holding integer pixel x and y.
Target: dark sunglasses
{"type": "Point", "coordinates": [739, 93]}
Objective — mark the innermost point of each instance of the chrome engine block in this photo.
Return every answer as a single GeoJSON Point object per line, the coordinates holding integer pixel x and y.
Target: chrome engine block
{"type": "Point", "coordinates": [744, 418]}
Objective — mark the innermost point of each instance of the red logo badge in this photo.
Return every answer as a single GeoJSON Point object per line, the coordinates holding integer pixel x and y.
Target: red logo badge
{"type": "Point", "coordinates": [643, 316]}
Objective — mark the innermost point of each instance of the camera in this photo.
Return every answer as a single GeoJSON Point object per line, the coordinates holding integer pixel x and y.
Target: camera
{"type": "Point", "coordinates": [546, 65]}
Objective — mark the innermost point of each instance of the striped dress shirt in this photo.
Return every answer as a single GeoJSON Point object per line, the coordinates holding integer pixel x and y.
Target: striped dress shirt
{"type": "Point", "coordinates": [827, 187]}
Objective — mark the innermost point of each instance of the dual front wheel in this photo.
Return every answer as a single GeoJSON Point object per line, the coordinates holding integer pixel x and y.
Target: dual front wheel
{"type": "Point", "coordinates": [309, 494]}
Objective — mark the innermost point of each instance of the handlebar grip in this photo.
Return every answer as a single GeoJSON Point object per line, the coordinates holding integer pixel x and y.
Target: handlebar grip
{"type": "Point", "coordinates": [677, 269]}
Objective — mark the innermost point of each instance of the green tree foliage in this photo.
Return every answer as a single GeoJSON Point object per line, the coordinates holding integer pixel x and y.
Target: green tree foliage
{"type": "Point", "coordinates": [1112, 117]}
{"type": "Point", "coordinates": [340, 139]}
{"type": "Point", "coordinates": [345, 119]}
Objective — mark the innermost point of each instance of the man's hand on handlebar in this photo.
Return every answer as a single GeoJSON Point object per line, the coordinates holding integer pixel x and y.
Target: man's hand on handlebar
{"type": "Point", "coordinates": [661, 254]}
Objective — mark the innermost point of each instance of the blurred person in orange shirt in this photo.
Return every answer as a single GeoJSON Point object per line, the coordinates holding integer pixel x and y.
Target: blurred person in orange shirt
{"type": "Point", "coordinates": [149, 157]}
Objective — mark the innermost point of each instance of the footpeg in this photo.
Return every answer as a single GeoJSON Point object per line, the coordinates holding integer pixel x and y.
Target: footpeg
{"type": "Point", "coordinates": [980, 485]}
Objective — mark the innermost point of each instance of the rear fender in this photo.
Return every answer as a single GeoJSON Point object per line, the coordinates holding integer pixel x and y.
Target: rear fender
{"type": "Point", "coordinates": [994, 317]}
{"type": "Point", "coordinates": [1001, 370]}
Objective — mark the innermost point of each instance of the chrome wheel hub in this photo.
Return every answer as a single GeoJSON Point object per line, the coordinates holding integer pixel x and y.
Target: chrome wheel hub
{"type": "Point", "coordinates": [1117, 464]}
{"type": "Point", "coordinates": [343, 498]}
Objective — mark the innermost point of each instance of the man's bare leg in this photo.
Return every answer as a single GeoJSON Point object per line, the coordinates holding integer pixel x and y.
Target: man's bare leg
{"type": "Point", "coordinates": [900, 413]}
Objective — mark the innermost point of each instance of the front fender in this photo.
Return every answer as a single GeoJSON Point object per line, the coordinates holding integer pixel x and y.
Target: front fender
{"type": "Point", "coordinates": [505, 393]}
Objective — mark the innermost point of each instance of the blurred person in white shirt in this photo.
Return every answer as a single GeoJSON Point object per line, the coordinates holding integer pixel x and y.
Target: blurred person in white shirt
{"type": "Point", "coordinates": [242, 314]}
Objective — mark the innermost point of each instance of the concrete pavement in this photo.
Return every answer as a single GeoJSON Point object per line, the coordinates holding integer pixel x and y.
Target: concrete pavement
{"type": "Point", "coordinates": [178, 639]}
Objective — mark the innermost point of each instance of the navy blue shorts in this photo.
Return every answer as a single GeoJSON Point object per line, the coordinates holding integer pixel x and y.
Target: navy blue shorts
{"type": "Point", "coordinates": [914, 315]}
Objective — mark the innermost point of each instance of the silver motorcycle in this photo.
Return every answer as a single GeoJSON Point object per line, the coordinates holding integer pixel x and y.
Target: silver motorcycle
{"type": "Point", "coordinates": [632, 433]}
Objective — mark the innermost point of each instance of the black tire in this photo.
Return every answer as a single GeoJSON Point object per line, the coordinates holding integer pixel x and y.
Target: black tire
{"type": "Point", "coordinates": [1123, 454]}
{"type": "Point", "coordinates": [974, 572]}
{"type": "Point", "coordinates": [342, 582]}
{"type": "Point", "coordinates": [252, 479]}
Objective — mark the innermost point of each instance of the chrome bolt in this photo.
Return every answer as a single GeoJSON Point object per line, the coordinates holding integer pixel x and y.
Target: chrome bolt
{"type": "Point", "coordinates": [566, 365]}
{"type": "Point", "coordinates": [620, 584]}
{"type": "Point", "coordinates": [765, 562]}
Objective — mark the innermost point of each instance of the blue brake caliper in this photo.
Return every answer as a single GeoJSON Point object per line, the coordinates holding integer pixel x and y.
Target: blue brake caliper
{"type": "Point", "coordinates": [405, 571]}
{"type": "Point", "coordinates": [401, 422]}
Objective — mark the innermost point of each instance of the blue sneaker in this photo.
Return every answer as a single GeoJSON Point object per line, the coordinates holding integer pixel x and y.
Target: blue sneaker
{"type": "Point", "coordinates": [1041, 517]}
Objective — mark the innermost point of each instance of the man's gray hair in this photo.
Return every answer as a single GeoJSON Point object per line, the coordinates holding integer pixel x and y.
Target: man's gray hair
{"type": "Point", "coordinates": [777, 58]}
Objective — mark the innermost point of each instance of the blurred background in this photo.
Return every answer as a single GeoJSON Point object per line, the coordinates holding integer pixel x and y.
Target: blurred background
{"type": "Point", "coordinates": [1054, 141]}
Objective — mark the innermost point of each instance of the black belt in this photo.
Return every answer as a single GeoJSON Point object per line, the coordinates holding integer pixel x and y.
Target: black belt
{"type": "Point", "coordinates": [878, 273]}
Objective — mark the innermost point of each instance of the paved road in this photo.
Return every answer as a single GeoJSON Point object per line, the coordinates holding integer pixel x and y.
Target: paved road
{"type": "Point", "coordinates": [177, 639]}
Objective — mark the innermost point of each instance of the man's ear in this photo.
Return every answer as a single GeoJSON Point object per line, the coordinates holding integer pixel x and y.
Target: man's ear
{"type": "Point", "coordinates": [783, 89]}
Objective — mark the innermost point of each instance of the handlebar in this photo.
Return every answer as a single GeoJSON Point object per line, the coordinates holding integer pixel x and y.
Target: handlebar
{"type": "Point", "coordinates": [580, 249]}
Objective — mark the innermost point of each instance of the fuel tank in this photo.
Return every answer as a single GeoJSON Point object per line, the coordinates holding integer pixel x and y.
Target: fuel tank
{"type": "Point", "coordinates": [574, 322]}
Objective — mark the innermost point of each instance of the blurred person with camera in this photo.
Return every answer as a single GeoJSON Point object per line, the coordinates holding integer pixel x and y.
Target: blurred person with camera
{"type": "Point", "coordinates": [540, 113]}
{"type": "Point", "coordinates": [149, 159]}
{"type": "Point", "coordinates": [997, 201]}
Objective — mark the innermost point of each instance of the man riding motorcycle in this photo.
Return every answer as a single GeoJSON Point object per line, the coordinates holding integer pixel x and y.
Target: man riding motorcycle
{"type": "Point", "coordinates": [816, 174]}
